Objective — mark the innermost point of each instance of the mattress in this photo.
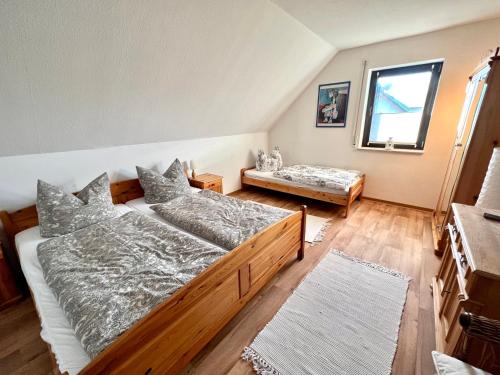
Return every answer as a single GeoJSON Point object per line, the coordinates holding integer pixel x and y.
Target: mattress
{"type": "Point", "coordinates": [268, 176]}
{"type": "Point", "coordinates": [56, 330]}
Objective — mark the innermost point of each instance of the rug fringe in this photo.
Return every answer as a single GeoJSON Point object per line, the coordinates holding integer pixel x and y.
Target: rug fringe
{"type": "Point", "coordinates": [375, 266]}
{"type": "Point", "coordinates": [320, 236]}
{"type": "Point", "coordinates": [260, 365]}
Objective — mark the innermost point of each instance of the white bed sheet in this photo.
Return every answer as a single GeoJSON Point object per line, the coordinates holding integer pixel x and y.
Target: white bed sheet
{"type": "Point", "coordinates": [268, 176]}
{"type": "Point", "coordinates": [56, 330]}
{"type": "Point", "coordinates": [140, 204]}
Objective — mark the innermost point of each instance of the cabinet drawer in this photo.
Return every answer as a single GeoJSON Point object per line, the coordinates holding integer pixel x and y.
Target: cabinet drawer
{"type": "Point", "coordinates": [444, 272]}
{"type": "Point", "coordinates": [458, 253]}
{"type": "Point", "coordinates": [450, 310]}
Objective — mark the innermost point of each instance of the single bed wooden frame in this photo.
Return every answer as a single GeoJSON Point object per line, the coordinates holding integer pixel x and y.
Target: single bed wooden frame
{"type": "Point", "coordinates": [355, 191]}
{"type": "Point", "coordinates": [166, 340]}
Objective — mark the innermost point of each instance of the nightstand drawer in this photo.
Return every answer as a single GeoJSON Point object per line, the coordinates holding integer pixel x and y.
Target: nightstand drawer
{"type": "Point", "coordinates": [214, 186]}
{"type": "Point", "coordinates": [207, 181]}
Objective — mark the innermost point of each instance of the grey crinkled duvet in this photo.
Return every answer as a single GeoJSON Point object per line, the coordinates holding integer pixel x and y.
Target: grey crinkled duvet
{"type": "Point", "coordinates": [224, 220]}
{"type": "Point", "coordinates": [111, 274]}
{"type": "Point", "coordinates": [315, 175]}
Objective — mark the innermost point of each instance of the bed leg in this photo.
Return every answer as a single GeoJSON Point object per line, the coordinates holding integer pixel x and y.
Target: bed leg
{"type": "Point", "coordinates": [300, 253]}
{"type": "Point", "coordinates": [360, 195]}
{"type": "Point", "coordinates": [242, 174]}
{"type": "Point", "coordinates": [347, 209]}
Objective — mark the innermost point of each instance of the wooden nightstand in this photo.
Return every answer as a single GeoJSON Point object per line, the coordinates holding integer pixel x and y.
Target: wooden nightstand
{"type": "Point", "coordinates": [9, 293]}
{"type": "Point", "coordinates": [207, 181]}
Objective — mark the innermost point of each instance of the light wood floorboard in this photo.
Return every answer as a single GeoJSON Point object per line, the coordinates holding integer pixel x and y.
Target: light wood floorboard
{"type": "Point", "coordinates": [393, 236]}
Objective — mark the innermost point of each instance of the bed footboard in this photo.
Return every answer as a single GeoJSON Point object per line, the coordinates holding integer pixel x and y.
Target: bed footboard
{"type": "Point", "coordinates": [167, 339]}
{"type": "Point", "coordinates": [355, 191]}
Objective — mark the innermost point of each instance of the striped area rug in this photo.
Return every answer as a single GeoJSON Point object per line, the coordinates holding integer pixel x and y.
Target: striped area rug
{"type": "Point", "coordinates": [342, 319]}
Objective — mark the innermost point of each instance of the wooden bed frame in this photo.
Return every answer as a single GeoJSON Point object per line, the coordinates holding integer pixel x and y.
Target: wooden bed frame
{"type": "Point", "coordinates": [166, 340]}
{"type": "Point", "coordinates": [355, 191]}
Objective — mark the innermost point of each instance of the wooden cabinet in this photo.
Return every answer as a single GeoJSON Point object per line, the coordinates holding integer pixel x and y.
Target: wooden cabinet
{"type": "Point", "coordinates": [478, 133]}
{"type": "Point", "coordinates": [468, 281]}
{"type": "Point", "coordinates": [8, 290]}
{"type": "Point", "coordinates": [207, 181]}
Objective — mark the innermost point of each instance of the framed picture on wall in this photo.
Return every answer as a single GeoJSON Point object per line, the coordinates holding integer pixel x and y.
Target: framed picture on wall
{"type": "Point", "coordinates": [332, 105]}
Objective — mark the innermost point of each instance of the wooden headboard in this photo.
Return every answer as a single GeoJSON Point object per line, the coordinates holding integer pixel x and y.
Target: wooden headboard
{"type": "Point", "coordinates": [17, 221]}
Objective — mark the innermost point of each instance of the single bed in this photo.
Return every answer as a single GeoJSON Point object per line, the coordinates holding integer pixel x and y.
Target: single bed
{"type": "Point", "coordinates": [344, 196]}
{"type": "Point", "coordinates": [169, 336]}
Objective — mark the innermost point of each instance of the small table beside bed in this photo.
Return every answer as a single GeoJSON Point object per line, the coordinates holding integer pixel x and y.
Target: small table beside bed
{"type": "Point", "coordinates": [326, 184]}
{"type": "Point", "coordinates": [205, 295]}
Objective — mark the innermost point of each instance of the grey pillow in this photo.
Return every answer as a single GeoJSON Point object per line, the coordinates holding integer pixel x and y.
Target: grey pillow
{"type": "Point", "coordinates": [60, 213]}
{"type": "Point", "coordinates": [162, 188]}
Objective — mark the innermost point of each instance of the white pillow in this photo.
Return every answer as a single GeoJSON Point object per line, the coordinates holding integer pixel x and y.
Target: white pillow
{"type": "Point", "coordinates": [489, 197]}
{"type": "Point", "coordinates": [446, 365]}
{"type": "Point", "coordinates": [269, 163]}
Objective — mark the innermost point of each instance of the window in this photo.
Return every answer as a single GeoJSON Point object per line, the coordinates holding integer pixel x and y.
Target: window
{"type": "Point", "coordinates": [399, 106]}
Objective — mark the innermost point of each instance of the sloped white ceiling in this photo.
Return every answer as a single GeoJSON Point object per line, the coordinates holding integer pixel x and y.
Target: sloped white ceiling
{"type": "Point", "coordinates": [88, 74]}
{"type": "Point", "coordinates": [353, 23]}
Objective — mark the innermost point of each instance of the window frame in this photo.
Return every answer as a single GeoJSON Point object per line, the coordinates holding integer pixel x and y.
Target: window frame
{"type": "Point", "coordinates": [435, 67]}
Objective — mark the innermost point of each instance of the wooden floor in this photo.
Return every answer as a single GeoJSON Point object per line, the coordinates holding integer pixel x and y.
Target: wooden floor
{"type": "Point", "coordinates": [393, 236]}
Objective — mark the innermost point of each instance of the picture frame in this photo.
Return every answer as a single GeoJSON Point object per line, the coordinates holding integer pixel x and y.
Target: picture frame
{"type": "Point", "coordinates": [333, 100]}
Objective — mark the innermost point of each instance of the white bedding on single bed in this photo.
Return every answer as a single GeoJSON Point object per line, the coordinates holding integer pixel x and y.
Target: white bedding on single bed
{"type": "Point", "coordinates": [268, 176]}
{"type": "Point", "coordinates": [56, 330]}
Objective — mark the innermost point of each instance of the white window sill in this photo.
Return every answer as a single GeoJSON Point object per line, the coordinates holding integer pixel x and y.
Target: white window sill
{"type": "Point", "coordinates": [404, 151]}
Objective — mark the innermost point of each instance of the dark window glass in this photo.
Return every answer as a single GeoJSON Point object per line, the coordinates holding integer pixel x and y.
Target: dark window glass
{"type": "Point", "coordinates": [399, 106]}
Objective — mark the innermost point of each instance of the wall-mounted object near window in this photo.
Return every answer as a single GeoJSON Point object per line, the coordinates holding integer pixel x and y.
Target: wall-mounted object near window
{"type": "Point", "coordinates": [399, 106]}
{"type": "Point", "coordinates": [332, 105]}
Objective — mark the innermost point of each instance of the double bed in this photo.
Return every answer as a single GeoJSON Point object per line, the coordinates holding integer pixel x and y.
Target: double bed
{"type": "Point", "coordinates": [165, 338]}
{"type": "Point", "coordinates": [326, 184]}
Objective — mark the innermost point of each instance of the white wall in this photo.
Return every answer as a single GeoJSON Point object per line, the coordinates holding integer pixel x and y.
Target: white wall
{"type": "Point", "coordinates": [406, 178]}
{"type": "Point", "coordinates": [90, 74]}
{"type": "Point", "coordinates": [73, 170]}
